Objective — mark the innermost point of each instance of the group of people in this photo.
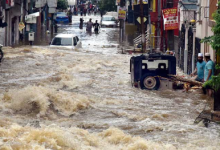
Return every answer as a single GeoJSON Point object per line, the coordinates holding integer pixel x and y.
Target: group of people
{"type": "Point", "coordinates": [89, 25]}
{"type": "Point", "coordinates": [204, 69]}
{"type": "Point", "coordinates": [91, 9]}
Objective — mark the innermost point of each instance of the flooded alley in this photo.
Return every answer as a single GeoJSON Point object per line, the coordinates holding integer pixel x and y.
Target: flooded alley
{"type": "Point", "coordinates": [62, 99]}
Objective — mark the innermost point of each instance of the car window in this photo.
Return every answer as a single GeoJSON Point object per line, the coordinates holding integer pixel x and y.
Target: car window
{"type": "Point", "coordinates": [61, 14]}
{"type": "Point", "coordinates": [62, 41]}
{"type": "Point", "coordinates": [108, 18]}
{"type": "Point", "coordinates": [162, 64]}
{"type": "Point", "coordinates": [75, 41]}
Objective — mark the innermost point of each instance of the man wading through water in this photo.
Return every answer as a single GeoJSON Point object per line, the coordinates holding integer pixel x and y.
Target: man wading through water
{"type": "Point", "coordinates": [96, 27]}
{"type": "Point", "coordinates": [81, 23]}
{"type": "Point", "coordinates": [200, 69]}
{"type": "Point", "coordinates": [209, 71]}
{"type": "Point", "coordinates": [89, 26]}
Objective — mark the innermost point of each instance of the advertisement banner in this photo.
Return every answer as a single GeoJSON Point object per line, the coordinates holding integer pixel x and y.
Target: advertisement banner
{"type": "Point", "coordinates": [170, 17]}
{"type": "Point", "coordinates": [122, 13]}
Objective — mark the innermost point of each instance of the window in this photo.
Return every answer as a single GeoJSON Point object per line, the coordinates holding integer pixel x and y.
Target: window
{"type": "Point", "coordinates": [108, 18]}
{"type": "Point", "coordinates": [62, 41]}
{"type": "Point", "coordinates": [155, 64]}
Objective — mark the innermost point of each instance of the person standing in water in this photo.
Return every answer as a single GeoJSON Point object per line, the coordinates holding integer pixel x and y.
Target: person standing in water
{"type": "Point", "coordinates": [200, 69]}
{"type": "Point", "coordinates": [81, 23]}
{"type": "Point", "coordinates": [96, 27]}
{"type": "Point", "coordinates": [89, 26]}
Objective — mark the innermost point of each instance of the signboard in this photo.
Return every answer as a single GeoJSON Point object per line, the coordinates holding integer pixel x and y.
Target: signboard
{"type": "Point", "coordinates": [137, 12]}
{"type": "Point", "coordinates": [32, 18]}
{"type": "Point", "coordinates": [122, 13]}
{"type": "Point", "coordinates": [170, 19]}
{"type": "Point", "coordinates": [21, 26]}
{"type": "Point", "coordinates": [139, 19]}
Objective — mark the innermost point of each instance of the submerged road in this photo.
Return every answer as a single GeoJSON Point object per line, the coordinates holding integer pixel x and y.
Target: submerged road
{"type": "Point", "coordinates": [82, 99]}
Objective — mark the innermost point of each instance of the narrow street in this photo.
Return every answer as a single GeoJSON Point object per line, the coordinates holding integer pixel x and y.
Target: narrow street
{"type": "Point", "coordinates": [82, 99]}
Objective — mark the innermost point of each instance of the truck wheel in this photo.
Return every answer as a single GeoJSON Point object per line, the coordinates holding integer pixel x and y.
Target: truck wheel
{"type": "Point", "coordinates": [150, 82]}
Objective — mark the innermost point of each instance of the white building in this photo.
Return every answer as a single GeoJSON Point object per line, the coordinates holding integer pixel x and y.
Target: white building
{"type": "Point", "coordinates": [205, 23]}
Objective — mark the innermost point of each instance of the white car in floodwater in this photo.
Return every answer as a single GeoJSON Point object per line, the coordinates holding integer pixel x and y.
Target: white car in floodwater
{"type": "Point", "coordinates": [70, 41]}
{"type": "Point", "coordinates": [108, 21]}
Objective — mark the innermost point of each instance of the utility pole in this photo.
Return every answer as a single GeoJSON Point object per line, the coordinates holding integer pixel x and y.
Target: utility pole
{"type": "Point", "coordinates": [149, 23]}
{"type": "Point", "coordinates": [31, 25]}
{"type": "Point", "coordinates": [159, 41]}
{"type": "Point", "coordinates": [143, 39]}
{"type": "Point", "coordinates": [122, 23]}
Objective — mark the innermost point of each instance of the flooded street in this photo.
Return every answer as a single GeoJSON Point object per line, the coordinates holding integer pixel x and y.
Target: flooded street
{"type": "Point", "coordinates": [82, 99]}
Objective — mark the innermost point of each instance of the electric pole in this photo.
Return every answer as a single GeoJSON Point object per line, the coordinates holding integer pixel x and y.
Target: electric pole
{"type": "Point", "coordinates": [143, 39]}
{"type": "Point", "coordinates": [149, 23]}
{"type": "Point", "coordinates": [122, 24]}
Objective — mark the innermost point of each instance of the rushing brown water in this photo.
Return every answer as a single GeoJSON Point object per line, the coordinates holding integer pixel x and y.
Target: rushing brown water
{"type": "Point", "coordinates": [62, 100]}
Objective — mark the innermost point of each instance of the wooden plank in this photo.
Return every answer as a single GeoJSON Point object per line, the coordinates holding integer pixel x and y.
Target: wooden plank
{"type": "Point", "coordinates": [192, 82]}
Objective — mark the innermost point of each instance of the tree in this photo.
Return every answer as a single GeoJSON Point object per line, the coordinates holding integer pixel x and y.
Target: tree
{"type": "Point", "coordinates": [107, 5]}
{"type": "Point", "coordinates": [214, 41]}
{"type": "Point", "coordinates": [62, 4]}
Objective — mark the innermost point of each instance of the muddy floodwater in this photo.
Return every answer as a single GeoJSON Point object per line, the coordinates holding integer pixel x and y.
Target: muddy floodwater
{"type": "Point", "coordinates": [61, 99]}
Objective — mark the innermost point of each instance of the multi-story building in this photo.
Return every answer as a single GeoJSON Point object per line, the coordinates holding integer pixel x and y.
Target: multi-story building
{"type": "Point", "coordinates": [14, 12]}
{"type": "Point", "coordinates": [189, 45]}
{"type": "Point", "coordinates": [204, 24]}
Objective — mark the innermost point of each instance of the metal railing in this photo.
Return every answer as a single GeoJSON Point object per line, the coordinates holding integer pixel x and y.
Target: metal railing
{"type": "Point", "coordinates": [151, 41]}
{"type": "Point", "coordinates": [137, 40]}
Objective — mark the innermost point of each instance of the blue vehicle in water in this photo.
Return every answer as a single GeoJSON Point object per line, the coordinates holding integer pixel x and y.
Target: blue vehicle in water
{"type": "Point", "coordinates": [62, 18]}
{"type": "Point", "coordinates": [151, 71]}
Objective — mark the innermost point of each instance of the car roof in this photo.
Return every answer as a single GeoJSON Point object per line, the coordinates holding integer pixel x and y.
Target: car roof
{"type": "Point", "coordinates": [66, 35]}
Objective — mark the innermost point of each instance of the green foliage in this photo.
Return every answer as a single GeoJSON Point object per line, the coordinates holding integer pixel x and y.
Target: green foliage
{"type": "Point", "coordinates": [214, 83]}
{"type": "Point", "coordinates": [214, 41]}
{"type": "Point", "coordinates": [62, 4]}
{"type": "Point", "coordinates": [107, 5]}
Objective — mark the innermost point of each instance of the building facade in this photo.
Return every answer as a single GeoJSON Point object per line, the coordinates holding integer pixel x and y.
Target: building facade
{"type": "Point", "coordinates": [205, 22]}
{"type": "Point", "coordinates": [14, 12]}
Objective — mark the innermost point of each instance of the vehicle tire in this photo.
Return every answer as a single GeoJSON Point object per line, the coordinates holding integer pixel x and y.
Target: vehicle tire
{"type": "Point", "coordinates": [150, 82]}
{"type": "Point", "coordinates": [1, 55]}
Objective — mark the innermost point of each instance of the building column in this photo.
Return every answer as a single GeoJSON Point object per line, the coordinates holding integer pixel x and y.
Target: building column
{"type": "Point", "coordinates": [194, 49]}
{"type": "Point", "coordinates": [186, 49]}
